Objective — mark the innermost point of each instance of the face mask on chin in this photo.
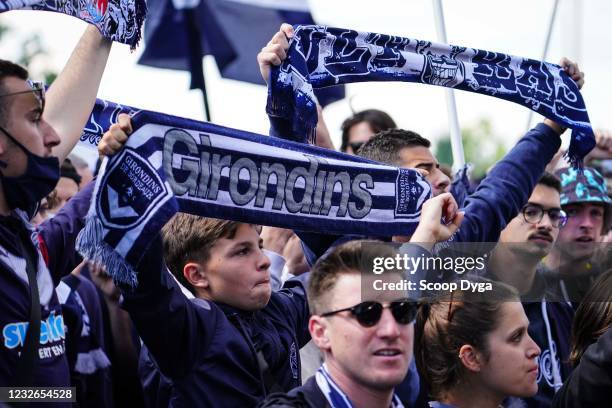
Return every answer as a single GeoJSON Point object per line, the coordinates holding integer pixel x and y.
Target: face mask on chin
{"type": "Point", "coordinates": [40, 178]}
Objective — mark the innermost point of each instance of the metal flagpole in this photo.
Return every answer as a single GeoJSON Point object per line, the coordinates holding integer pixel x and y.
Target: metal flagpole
{"type": "Point", "coordinates": [551, 24]}
{"type": "Point", "coordinates": [451, 107]}
{"type": "Point", "coordinates": [198, 79]}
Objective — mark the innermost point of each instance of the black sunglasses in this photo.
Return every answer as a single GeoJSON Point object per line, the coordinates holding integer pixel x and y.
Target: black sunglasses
{"type": "Point", "coordinates": [369, 313]}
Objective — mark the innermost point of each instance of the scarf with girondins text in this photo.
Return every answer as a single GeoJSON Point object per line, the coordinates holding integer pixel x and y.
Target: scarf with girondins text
{"type": "Point", "coordinates": [321, 56]}
{"type": "Point", "coordinates": [171, 164]}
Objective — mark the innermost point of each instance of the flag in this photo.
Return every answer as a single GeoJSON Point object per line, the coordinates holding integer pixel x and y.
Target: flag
{"type": "Point", "coordinates": [232, 31]}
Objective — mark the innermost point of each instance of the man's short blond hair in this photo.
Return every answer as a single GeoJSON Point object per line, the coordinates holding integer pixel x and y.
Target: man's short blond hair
{"type": "Point", "coordinates": [350, 257]}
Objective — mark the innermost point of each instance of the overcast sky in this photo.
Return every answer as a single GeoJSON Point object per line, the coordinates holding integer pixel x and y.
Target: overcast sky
{"type": "Point", "coordinates": [517, 27]}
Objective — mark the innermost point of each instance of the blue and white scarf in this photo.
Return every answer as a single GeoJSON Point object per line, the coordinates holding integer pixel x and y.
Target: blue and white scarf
{"type": "Point", "coordinates": [90, 356]}
{"type": "Point", "coordinates": [171, 164]}
{"type": "Point", "coordinates": [320, 56]}
{"type": "Point", "coordinates": [335, 396]}
{"type": "Point", "coordinates": [102, 117]}
{"type": "Point", "coordinates": [117, 20]}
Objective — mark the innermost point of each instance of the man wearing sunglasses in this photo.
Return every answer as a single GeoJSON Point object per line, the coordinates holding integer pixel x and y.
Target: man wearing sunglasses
{"type": "Point", "coordinates": [367, 344]}
{"type": "Point", "coordinates": [364, 331]}
{"type": "Point", "coordinates": [517, 261]}
{"type": "Point", "coordinates": [359, 128]}
{"type": "Point", "coordinates": [37, 132]}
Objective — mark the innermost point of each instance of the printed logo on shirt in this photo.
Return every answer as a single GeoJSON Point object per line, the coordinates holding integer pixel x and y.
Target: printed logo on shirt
{"type": "Point", "coordinates": [293, 360]}
{"type": "Point", "coordinates": [52, 330]}
{"type": "Point", "coordinates": [545, 363]}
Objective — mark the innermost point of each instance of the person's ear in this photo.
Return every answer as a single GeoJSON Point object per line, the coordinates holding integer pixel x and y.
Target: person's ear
{"type": "Point", "coordinates": [318, 327]}
{"type": "Point", "coordinates": [195, 275]}
{"type": "Point", "coordinates": [471, 358]}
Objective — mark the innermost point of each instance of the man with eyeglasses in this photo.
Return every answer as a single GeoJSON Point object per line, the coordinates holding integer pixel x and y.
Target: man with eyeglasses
{"type": "Point", "coordinates": [579, 256]}
{"type": "Point", "coordinates": [517, 261]}
{"type": "Point", "coordinates": [37, 132]}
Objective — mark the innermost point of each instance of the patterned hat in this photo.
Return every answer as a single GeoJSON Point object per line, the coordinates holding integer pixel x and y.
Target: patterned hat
{"type": "Point", "coordinates": [588, 187]}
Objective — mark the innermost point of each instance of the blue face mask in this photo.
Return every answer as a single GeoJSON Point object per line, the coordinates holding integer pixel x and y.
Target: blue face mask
{"type": "Point", "coordinates": [40, 178]}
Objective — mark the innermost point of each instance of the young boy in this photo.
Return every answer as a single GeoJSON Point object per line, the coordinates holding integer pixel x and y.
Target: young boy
{"type": "Point", "coordinates": [236, 341]}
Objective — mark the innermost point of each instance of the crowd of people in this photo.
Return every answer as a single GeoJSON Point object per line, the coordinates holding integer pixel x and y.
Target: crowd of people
{"type": "Point", "coordinates": [229, 314]}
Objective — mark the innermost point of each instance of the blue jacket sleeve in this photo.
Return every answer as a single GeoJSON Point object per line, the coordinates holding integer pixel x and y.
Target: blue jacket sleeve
{"type": "Point", "coordinates": [293, 297]}
{"type": "Point", "coordinates": [507, 187]}
{"type": "Point", "coordinates": [175, 330]}
{"type": "Point", "coordinates": [60, 232]}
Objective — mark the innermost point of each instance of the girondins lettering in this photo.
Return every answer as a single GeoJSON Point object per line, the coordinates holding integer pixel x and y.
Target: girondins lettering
{"type": "Point", "coordinates": [204, 174]}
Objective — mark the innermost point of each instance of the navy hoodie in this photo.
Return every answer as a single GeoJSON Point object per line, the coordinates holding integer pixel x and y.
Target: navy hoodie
{"type": "Point", "coordinates": [554, 348]}
{"type": "Point", "coordinates": [54, 243]}
{"type": "Point", "coordinates": [204, 354]}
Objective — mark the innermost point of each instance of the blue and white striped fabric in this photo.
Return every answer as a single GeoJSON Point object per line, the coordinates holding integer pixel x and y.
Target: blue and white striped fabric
{"type": "Point", "coordinates": [321, 56]}
{"type": "Point", "coordinates": [117, 20]}
{"type": "Point", "coordinates": [335, 396]}
{"type": "Point", "coordinates": [171, 164]}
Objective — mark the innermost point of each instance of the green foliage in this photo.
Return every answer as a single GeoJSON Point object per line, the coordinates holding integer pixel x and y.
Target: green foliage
{"type": "Point", "coordinates": [32, 49]}
{"type": "Point", "coordinates": [481, 146]}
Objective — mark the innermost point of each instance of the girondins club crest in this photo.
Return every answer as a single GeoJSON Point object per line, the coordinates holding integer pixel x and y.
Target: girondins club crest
{"type": "Point", "coordinates": [132, 190]}
{"type": "Point", "coordinates": [409, 185]}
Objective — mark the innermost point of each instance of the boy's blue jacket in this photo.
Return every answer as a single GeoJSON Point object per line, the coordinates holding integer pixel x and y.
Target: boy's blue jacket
{"type": "Point", "coordinates": [206, 353]}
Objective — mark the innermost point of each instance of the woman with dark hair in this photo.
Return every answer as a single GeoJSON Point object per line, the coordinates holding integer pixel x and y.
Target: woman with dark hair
{"type": "Point", "coordinates": [590, 384]}
{"type": "Point", "coordinates": [593, 317]}
{"type": "Point", "coordinates": [473, 349]}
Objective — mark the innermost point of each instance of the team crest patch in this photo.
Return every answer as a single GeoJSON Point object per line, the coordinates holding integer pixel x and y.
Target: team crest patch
{"type": "Point", "coordinates": [132, 189]}
{"type": "Point", "coordinates": [407, 186]}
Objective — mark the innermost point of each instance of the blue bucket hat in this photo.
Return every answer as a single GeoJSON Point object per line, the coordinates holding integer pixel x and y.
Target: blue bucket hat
{"type": "Point", "coordinates": [587, 186]}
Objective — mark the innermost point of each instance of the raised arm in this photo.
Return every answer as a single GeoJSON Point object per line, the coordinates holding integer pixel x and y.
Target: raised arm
{"type": "Point", "coordinates": [71, 97]}
{"type": "Point", "coordinates": [58, 235]}
{"type": "Point", "coordinates": [440, 219]}
{"type": "Point", "coordinates": [507, 187]}
{"type": "Point", "coordinates": [273, 54]}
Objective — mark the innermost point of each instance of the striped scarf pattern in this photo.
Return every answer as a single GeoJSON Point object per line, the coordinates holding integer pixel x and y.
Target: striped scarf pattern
{"type": "Point", "coordinates": [171, 164]}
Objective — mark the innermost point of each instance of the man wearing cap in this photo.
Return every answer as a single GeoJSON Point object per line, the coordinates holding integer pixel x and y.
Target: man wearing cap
{"type": "Point", "coordinates": [578, 256]}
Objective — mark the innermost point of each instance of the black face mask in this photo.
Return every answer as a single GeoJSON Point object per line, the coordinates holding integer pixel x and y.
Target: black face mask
{"type": "Point", "coordinates": [40, 178]}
